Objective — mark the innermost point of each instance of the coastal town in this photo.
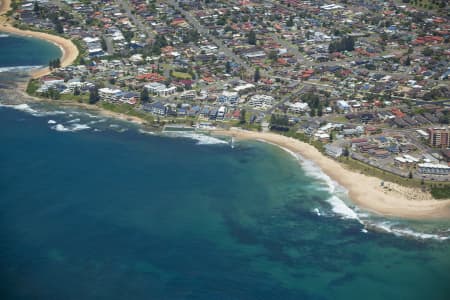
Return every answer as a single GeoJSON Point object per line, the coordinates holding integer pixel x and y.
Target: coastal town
{"type": "Point", "coordinates": [365, 82]}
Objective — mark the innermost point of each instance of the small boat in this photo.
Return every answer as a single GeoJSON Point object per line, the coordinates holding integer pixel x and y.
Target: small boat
{"type": "Point", "coordinates": [3, 35]}
{"type": "Point", "coordinates": [232, 142]}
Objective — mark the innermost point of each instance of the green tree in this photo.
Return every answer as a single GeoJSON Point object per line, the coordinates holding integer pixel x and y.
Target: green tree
{"type": "Point", "coordinates": [36, 7]}
{"type": "Point", "coordinates": [407, 61]}
{"type": "Point", "coordinates": [94, 97]}
{"type": "Point", "coordinates": [59, 27]}
{"type": "Point", "coordinates": [228, 67]}
{"type": "Point", "coordinates": [319, 110]}
{"type": "Point", "coordinates": [251, 37]}
{"type": "Point", "coordinates": [257, 75]}
{"type": "Point", "coordinates": [427, 51]}
{"type": "Point", "coordinates": [273, 55]}
{"type": "Point", "coordinates": [290, 22]}
{"type": "Point", "coordinates": [242, 116]}
{"type": "Point", "coordinates": [144, 96]}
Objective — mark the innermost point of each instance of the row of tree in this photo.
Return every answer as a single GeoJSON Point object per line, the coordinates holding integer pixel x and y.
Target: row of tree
{"type": "Point", "coordinates": [54, 63]}
{"type": "Point", "coordinates": [347, 43]}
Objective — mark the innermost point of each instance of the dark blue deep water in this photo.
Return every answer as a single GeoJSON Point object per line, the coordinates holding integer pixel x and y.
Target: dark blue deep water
{"type": "Point", "coordinates": [18, 51]}
{"type": "Point", "coordinates": [112, 213]}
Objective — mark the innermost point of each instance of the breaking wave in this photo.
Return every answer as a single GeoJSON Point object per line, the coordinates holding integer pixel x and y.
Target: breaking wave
{"type": "Point", "coordinates": [200, 138]}
{"type": "Point", "coordinates": [19, 68]}
{"type": "Point", "coordinates": [340, 208]}
{"type": "Point", "coordinates": [27, 109]}
{"type": "Point", "coordinates": [72, 128]}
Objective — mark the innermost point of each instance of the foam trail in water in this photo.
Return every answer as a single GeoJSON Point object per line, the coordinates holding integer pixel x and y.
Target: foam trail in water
{"type": "Point", "coordinates": [339, 207]}
{"type": "Point", "coordinates": [27, 109]}
{"type": "Point", "coordinates": [394, 228]}
{"type": "Point", "coordinates": [146, 132]}
{"type": "Point", "coordinates": [200, 138]}
{"type": "Point", "coordinates": [19, 68]}
{"type": "Point", "coordinates": [22, 107]}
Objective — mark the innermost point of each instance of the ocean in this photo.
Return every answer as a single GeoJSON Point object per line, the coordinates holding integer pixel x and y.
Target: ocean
{"type": "Point", "coordinates": [95, 208]}
{"type": "Point", "coordinates": [18, 52]}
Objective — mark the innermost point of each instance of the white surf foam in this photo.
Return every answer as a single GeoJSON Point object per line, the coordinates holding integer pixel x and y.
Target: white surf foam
{"type": "Point", "coordinates": [60, 127]}
{"type": "Point", "coordinates": [19, 68]}
{"type": "Point", "coordinates": [200, 138]}
{"type": "Point", "coordinates": [22, 107]}
{"type": "Point", "coordinates": [340, 208]}
{"type": "Point", "coordinates": [146, 132]}
{"type": "Point", "coordinates": [394, 228]}
{"type": "Point", "coordinates": [317, 211]}
{"type": "Point", "coordinates": [48, 113]}
{"type": "Point", "coordinates": [73, 128]}
{"type": "Point", "coordinates": [97, 121]}
{"type": "Point", "coordinates": [51, 122]}
{"type": "Point", "coordinates": [74, 121]}
{"type": "Point", "coordinates": [78, 127]}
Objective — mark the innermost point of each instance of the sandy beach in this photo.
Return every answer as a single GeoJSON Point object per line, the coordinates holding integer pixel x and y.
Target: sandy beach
{"type": "Point", "coordinates": [366, 192]}
{"type": "Point", "coordinates": [68, 48]}
{"type": "Point", "coordinates": [4, 6]}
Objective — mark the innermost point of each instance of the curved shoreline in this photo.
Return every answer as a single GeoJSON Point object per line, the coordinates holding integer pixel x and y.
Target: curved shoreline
{"type": "Point", "coordinates": [68, 48]}
{"type": "Point", "coordinates": [392, 200]}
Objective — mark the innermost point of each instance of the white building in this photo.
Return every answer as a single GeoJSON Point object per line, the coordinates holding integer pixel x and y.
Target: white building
{"type": "Point", "coordinates": [343, 105]}
{"type": "Point", "coordinates": [298, 107]}
{"type": "Point", "coordinates": [221, 112]}
{"type": "Point", "coordinates": [436, 169]}
{"type": "Point", "coordinates": [243, 88]}
{"type": "Point", "coordinates": [160, 89]}
{"type": "Point", "coordinates": [261, 101]}
{"type": "Point", "coordinates": [333, 151]}
{"type": "Point", "coordinates": [107, 94]}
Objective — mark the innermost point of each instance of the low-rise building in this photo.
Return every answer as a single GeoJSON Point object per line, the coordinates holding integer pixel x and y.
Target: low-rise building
{"type": "Point", "coordinates": [160, 89]}
{"type": "Point", "coordinates": [229, 98]}
{"type": "Point", "coordinates": [435, 169]}
{"type": "Point", "coordinates": [333, 151]}
{"type": "Point", "coordinates": [260, 100]}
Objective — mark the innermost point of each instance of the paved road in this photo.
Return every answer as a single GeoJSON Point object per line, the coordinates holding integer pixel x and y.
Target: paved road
{"type": "Point", "coordinates": [128, 8]}
{"type": "Point", "coordinates": [205, 32]}
{"type": "Point", "coordinates": [298, 90]}
{"type": "Point", "coordinates": [109, 44]}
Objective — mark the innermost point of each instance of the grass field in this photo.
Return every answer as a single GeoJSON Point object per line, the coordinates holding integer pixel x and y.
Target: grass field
{"type": "Point", "coordinates": [181, 75]}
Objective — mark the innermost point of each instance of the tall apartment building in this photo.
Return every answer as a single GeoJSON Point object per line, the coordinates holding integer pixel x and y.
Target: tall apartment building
{"type": "Point", "coordinates": [439, 137]}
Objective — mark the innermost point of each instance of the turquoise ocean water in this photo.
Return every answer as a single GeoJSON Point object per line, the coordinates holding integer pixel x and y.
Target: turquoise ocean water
{"type": "Point", "coordinates": [24, 52]}
{"type": "Point", "coordinates": [92, 208]}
